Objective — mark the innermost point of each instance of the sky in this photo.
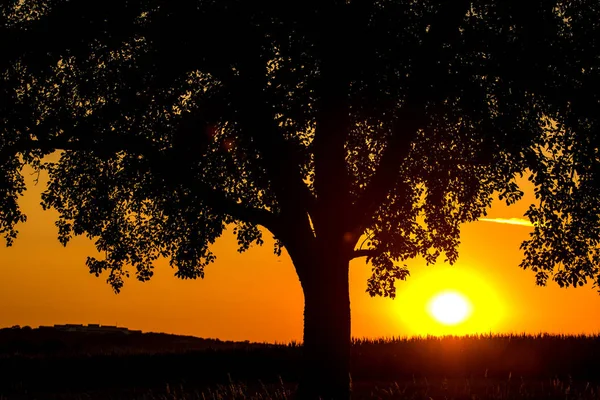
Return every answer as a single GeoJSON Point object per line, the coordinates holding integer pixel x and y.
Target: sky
{"type": "Point", "coordinates": [256, 296]}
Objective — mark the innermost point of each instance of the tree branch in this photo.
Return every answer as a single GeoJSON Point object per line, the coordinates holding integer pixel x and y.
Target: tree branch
{"type": "Point", "coordinates": [412, 115]}
{"type": "Point", "coordinates": [218, 201]}
{"type": "Point", "coordinates": [365, 253]}
{"type": "Point", "coordinates": [211, 196]}
{"type": "Point", "coordinates": [332, 183]}
{"type": "Point", "coordinates": [280, 160]}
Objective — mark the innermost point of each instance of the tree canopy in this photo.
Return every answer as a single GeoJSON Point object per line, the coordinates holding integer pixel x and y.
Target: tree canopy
{"type": "Point", "coordinates": [391, 120]}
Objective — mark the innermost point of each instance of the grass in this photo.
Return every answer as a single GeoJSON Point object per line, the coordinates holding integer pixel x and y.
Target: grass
{"type": "Point", "coordinates": [423, 389]}
{"type": "Point", "coordinates": [463, 368]}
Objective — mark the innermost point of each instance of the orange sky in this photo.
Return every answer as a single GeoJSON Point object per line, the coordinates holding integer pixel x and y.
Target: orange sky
{"type": "Point", "coordinates": [256, 296]}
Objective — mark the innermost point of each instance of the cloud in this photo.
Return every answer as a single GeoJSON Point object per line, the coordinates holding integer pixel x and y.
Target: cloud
{"type": "Point", "coordinates": [510, 221]}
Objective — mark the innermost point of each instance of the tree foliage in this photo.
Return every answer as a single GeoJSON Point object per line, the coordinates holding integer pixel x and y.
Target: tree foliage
{"type": "Point", "coordinates": [394, 121]}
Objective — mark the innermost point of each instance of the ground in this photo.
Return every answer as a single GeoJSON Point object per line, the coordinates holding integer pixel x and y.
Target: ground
{"type": "Point", "coordinates": [38, 365]}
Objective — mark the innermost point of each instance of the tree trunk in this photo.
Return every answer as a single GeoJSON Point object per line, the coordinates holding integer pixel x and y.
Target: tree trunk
{"type": "Point", "coordinates": [326, 369]}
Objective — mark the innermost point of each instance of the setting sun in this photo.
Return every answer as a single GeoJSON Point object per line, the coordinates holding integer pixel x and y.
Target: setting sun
{"type": "Point", "coordinates": [448, 300]}
{"type": "Point", "coordinates": [449, 308]}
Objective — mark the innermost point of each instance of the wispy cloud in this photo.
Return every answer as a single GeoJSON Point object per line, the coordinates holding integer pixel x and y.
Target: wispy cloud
{"type": "Point", "coordinates": [510, 221]}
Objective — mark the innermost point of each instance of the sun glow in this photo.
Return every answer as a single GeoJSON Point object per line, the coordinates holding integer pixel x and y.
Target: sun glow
{"type": "Point", "coordinates": [450, 308]}
{"type": "Point", "coordinates": [453, 300]}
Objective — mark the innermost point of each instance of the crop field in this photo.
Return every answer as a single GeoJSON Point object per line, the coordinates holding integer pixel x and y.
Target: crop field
{"type": "Point", "coordinates": [469, 368]}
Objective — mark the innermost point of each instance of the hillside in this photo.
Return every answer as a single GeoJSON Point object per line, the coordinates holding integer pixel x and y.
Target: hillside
{"type": "Point", "coordinates": [48, 341]}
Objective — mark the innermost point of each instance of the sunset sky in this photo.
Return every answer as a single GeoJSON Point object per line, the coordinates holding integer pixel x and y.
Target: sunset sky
{"type": "Point", "coordinates": [256, 296]}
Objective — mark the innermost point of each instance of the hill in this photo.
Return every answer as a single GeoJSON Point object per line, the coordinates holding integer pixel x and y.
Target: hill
{"type": "Point", "coordinates": [97, 340]}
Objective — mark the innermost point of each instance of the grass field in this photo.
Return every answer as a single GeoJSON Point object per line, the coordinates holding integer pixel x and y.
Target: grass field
{"type": "Point", "coordinates": [471, 367]}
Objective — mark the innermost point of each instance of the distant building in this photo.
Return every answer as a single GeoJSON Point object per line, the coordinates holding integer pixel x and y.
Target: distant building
{"type": "Point", "coordinates": [69, 327]}
{"type": "Point", "coordinates": [94, 328]}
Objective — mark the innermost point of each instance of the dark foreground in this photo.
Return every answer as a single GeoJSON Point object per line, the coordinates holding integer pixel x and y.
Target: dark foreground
{"type": "Point", "coordinates": [140, 366]}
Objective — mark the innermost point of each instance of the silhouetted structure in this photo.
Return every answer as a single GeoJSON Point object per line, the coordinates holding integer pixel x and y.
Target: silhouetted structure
{"type": "Point", "coordinates": [93, 328]}
{"type": "Point", "coordinates": [346, 128]}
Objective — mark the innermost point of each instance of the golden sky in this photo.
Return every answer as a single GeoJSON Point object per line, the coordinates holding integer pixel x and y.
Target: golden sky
{"type": "Point", "coordinates": [256, 296]}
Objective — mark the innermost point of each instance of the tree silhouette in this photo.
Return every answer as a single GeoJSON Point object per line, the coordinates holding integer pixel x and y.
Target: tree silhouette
{"type": "Point", "coordinates": [345, 128]}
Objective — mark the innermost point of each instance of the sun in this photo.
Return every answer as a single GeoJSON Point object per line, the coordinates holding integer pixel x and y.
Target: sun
{"type": "Point", "coordinates": [475, 306]}
{"type": "Point", "coordinates": [449, 307]}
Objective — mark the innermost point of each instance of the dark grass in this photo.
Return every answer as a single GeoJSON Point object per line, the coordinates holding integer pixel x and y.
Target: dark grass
{"type": "Point", "coordinates": [469, 367]}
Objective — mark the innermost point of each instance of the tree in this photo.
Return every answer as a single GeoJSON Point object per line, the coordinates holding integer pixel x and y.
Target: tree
{"type": "Point", "coordinates": [345, 128]}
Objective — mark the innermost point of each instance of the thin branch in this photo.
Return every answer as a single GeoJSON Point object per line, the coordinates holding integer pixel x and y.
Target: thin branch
{"type": "Point", "coordinates": [369, 236]}
{"type": "Point", "coordinates": [366, 253]}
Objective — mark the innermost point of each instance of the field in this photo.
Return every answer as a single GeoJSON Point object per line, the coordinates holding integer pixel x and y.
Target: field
{"type": "Point", "coordinates": [36, 365]}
